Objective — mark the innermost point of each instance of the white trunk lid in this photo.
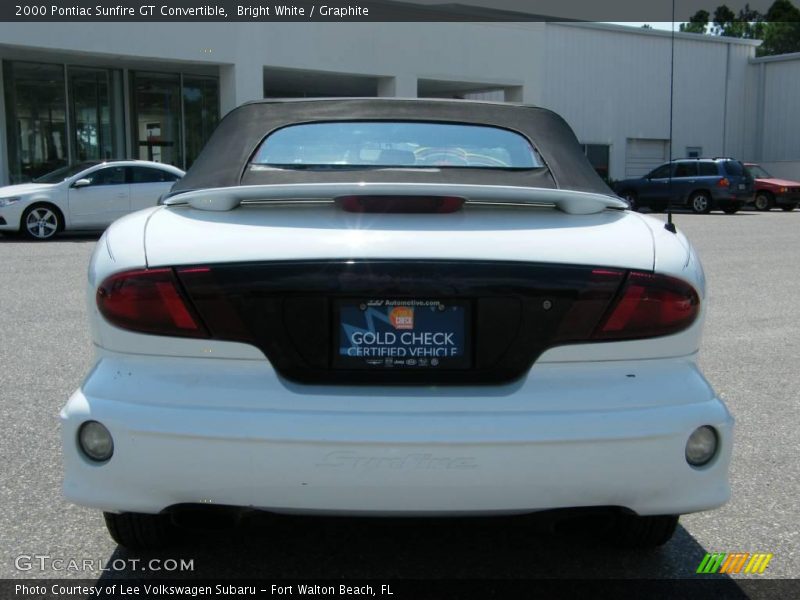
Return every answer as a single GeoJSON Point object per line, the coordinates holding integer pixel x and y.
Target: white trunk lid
{"type": "Point", "coordinates": [181, 235]}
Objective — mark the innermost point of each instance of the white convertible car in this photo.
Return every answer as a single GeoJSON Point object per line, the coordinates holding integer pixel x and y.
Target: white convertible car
{"type": "Point", "coordinates": [395, 307]}
{"type": "Point", "coordinates": [85, 196]}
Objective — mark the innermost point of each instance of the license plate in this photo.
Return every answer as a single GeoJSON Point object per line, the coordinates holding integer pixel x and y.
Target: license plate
{"type": "Point", "coordinates": [402, 334]}
{"type": "Point", "coordinates": [742, 186]}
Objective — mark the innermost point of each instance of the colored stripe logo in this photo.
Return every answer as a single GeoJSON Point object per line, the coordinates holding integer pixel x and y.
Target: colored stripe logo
{"type": "Point", "coordinates": [735, 562]}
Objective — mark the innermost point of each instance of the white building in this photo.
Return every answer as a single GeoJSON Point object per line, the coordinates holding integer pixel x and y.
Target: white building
{"type": "Point", "coordinates": [79, 91]}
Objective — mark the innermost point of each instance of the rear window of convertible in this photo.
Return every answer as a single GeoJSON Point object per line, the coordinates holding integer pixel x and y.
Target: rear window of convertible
{"type": "Point", "coordinates": [405, 144]}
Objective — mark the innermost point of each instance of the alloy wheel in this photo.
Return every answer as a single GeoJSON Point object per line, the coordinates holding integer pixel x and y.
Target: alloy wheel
{"type": "Point", "coordinates": [699, 203]}
{"type": "Point", "coordinates": [762, 202]}
{"type": "Point", "coordinates": [41, 223]}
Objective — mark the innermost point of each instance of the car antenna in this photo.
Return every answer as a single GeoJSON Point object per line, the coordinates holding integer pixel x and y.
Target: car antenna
{"type": "Point", "coordinates": [670, 226]}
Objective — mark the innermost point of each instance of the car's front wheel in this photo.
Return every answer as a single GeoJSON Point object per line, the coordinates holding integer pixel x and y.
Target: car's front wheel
{"type": "Point", "coordinates": [700, 203]}
{"type": "Point", "coordinates": [763, 201]}
{"type": "Point", "coordinates": [633, 531]}
{"type": "Point", "coordinates": [41, 222]}
{"type": "Point", "coordinates": [137, 531]}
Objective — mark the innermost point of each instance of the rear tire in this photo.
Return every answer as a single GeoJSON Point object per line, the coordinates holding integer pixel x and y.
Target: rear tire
{"type": "Point", "coordinates": [632, 531]}
{"type": "Point", "coordinates": [763, 201]}
{"type": "Point", "coordinates": [700, 203]}
{"type": "Point", "coordinates": [631, 198]}
{"type": "Point", "coordinates": [789, 207]}
{"type": "Point", "coordinates": [137, 531]}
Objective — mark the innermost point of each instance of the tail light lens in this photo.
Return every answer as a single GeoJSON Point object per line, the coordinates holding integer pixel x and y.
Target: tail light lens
{"type": "Point", "coordinates": [649, 306]}
{"type": "Point", "coordinates": [612, 306]}
{"type": "Point", "coordinates": [148, 301]}
{"type": "Point", "coordinates": [400, 204]}
{"type": "Point", "coordinates": [724, 182]}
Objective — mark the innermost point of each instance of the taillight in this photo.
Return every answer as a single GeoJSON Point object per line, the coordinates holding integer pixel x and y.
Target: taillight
{"type": "Point", "coordinates": [148, 301]}
{"type": "Point", "coordinates": [724, 182]}
{"type": "Point", "coordinates": [649, 306]}
{"type": "Point", "coordinates": [400, 204]}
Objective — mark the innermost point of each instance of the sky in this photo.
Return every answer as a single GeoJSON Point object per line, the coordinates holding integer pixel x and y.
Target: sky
{"type": "Point", "coordinates": [667, 26]}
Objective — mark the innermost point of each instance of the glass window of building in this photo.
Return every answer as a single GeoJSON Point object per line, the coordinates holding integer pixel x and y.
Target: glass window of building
{"type": "Point", "coordinates": [57, 115]}
{"type": "Point", "coordinates": [694, 151]}
{"type": "Point", "coordinates": [92, 95]}
{"type": "Point", "coordinates": [156, 105]}
{"type": "Point", "coordinates": [598, 155]}
{"type": "Point", "coordinates": [201, 113]}
{"type": "Point", "coordinates": [62, 114]}
{"type": "Point", "coordinates": [35, 98]}
{"type": "Point", "coordinates": [173, 115]}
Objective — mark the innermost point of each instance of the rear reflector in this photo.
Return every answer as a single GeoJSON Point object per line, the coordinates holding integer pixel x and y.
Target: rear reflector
{"type": "Point", "coordinates": [650, 306]}
{"type": "Point", "coordinates": [148, 301]}
{"type": "Point", "coordinates": [400, 204]}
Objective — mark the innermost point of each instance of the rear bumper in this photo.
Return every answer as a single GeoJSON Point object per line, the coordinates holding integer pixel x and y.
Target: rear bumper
{"type": "Point", "coordinates": [585, 434]}
{"type": "Point", "coordinates": [734, 199]}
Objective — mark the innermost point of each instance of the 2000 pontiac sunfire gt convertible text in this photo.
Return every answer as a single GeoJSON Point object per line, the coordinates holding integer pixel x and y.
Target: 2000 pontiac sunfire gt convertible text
{"type": "Point", "coordinates": [395, 307]}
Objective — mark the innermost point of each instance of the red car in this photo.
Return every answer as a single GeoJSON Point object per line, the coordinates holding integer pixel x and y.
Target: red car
{"type": "Point", "coordinates": [772, 191]}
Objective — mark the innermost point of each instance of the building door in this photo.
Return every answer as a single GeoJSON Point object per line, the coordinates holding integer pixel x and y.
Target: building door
{"type": "Point", "coordinates": [643, 155]}
{"type": "Point", "coordinates": [156, 103]}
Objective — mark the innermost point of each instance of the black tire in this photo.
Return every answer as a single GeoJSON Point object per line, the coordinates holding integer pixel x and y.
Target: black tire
{"type": "Point", "coordinates": [763, 201]}
{"type": "Point", "coordinates": [731, 210]}
{"type": "Point", "coordinates": [137, 531]}
{"type": "Point", "coordinates": [41, 222]}
{"type": "Point", "coordinates": [700, 203]}
{"type": "Point", "coordinates": [632, 531]}
{"type": "Point", "coordinates": [789, 207]}
{"type": "Point", "coordinates": [632, 199]}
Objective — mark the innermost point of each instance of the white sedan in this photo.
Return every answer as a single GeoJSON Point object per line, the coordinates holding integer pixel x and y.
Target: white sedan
{"type": "Point", "coordinates": [85, 196]}
{"type": "Point", "coordinates": [395, 307]}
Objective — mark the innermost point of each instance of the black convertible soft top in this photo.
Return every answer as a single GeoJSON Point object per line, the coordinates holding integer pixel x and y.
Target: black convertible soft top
{"type": "Point", "coordinates": [224, 160]}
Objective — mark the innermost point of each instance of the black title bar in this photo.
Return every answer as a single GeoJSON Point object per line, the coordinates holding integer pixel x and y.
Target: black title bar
{"type": "Point", "coordinates": [358, 10]}
{"type": "Point", "coordinates": [439, 589]}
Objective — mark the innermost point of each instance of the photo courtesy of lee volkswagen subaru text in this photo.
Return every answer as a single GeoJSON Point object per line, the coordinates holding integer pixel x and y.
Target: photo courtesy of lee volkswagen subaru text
{"type": "Point", "coordinates": [395, 307]}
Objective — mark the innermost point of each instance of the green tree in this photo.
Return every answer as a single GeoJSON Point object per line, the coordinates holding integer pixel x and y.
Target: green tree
{"type": "Point", "coordinates": [697, 23]}
{"type": "Point", "coordinates": [779, 28]}
{"type": "Point", "coordinates": [782, 29]}
{"type": "Point", "coordinates": [747, 24]}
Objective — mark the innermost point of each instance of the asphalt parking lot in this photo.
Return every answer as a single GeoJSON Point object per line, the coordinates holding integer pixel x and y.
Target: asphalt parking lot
{"type": "Point", "coordinates": [750, 354]}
